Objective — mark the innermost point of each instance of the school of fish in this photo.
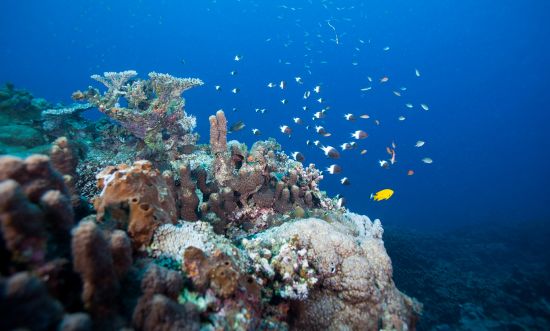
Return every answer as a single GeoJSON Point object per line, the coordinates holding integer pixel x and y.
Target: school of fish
{"type": "Point", "coordinates": [313, 105]}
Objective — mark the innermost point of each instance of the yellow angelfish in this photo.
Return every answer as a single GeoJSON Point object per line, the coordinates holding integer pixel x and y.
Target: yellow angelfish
{"type": "Point", "coordinates": [384, 194]}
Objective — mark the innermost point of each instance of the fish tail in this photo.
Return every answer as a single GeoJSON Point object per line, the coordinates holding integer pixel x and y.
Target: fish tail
{"type": "Point", "coordinates": [372, 196]}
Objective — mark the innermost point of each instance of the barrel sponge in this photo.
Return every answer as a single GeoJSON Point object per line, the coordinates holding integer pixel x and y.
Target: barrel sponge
{"type": "Point", "coordinates": [355, 289]}
{"type": "Point", "coordinates": [137, 197]}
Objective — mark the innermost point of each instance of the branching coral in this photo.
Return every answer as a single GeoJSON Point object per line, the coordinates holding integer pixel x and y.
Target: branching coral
{"type": "Point", "coordinates": [155, 111]}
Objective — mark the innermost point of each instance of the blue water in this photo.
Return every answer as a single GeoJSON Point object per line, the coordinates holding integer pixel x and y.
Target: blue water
{"type": "Point", "coordinates": [484, 74]}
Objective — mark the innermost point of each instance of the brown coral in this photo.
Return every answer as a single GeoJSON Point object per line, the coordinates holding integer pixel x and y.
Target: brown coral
{"type": "Point", "coordinates": [63, 156]}
{"type": "Point", "coordinates": [137, 197]}
{"type": "Point", "coordinates": [187, 196]}
{"type": "Point", "coordinates": [159, 313]}
{"type": "Point", "coordinates": [156, 309]}
{"type": "Point", "coordinates": [34, 209]}
{"type": "Point", "coordinates": [218, 132]}
{"type": "Point", "coordinates": [26, 304]}
{"type": "Point", "coordinates": [93, 260]}
{"type": "Point", "coordinates": [216, 272]}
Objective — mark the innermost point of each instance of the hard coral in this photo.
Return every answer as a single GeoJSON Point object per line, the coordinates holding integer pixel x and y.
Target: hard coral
{"type": "Point", "coordinates": [26, 304]}
{"type": "Point", "coordinates": [216, 272]}
{"type": "Point", "coordinates": [135, 197]}
{"type": "Point", "coordinates": [35, 210]}
{"type": "Point", "coordinates": [355, 276]}
{"type": "Point", "coordinates": [156, 309]}
{"type": "Point", "coordinates": [93, 260]}
{"type": "Point", "coordinates": [155, 111]}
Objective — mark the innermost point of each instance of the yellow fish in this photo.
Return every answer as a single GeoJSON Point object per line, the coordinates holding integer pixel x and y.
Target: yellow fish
{"type": "Point", "coordinates": [384, 194]}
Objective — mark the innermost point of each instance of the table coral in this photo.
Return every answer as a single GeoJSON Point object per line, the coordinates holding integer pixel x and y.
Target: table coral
{"type": "Point", "coordinates": [155, 111]}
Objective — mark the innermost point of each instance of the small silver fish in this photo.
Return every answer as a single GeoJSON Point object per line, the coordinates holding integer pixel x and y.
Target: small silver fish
{"type": "Point", "coordinates": [419, 143]}
{"type": "Point", "coordinates": [330, 152]}
{"type": "Point", "coordinates": [346, 146]}
{"type": "Point", "coordinates": [235, 90]}
{"type": "Point", "coordinates": [349, 117]}
{"type": "Point", "coordinates": [345, 181]}
{"type": "Point", "coordinates": [334, 169]}
{"type": "Point", "coordinates": [237, 126]}
{"type": "Point", "coordinates": [256, 132]}
{"type": "Point", "coordinates": [285, 129]}
{"type": "Point", "coordinates": [320, 130]}
{"type": "Point", "coordinates": [284, 101]}
{"type": "Point", "coordinates": [298, 156]}
{"type": "Point", "coordinates": [359, 134]}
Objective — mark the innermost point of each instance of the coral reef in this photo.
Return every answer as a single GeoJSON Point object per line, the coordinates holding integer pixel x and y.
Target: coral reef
{"type": "Point", "coordinates": [130, 224]}
{"type": "Point", "coordinates": [350, 285]}
{"type": "Point", "coordinates": [35, 210]}
{"type": "Point", "coordinates": [155, 111]}
{"type": "Point", "coordinates": [20, 129]}
{"type": "Point", "coordinates": [26, 304]}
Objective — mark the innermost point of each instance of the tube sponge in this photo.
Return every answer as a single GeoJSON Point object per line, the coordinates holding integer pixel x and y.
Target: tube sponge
{"type": "Point", "coordinates": [218, 132]}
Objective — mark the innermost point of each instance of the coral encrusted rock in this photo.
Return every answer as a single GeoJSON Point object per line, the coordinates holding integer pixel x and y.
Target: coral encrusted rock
{"type": "Point", "coordinates": [354, 288]}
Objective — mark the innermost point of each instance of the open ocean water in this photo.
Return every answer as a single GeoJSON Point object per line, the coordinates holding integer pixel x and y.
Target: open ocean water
{"type": "Point", "coordinates": [467, 227]}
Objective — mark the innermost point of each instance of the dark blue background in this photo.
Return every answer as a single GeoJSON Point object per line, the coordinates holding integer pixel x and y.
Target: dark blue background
{"type": "Point", "coordinates": [484, 68]}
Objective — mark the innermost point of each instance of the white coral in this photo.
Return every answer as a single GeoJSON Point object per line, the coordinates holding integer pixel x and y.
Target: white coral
{"type": "Point", "coordinates": [171, 241]}
{"type": "Point", "coordinates": [115, 81]}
